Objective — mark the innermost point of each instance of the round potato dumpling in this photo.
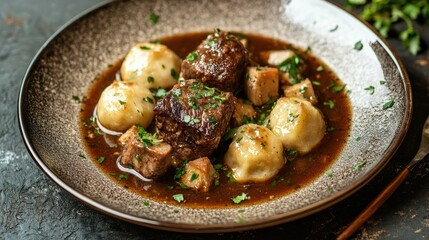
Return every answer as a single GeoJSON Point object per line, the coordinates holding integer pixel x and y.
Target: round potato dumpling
{"type": "Point", "coordinates": [297, 123]}
{"type": "Point", "coordinates": [151, 66]}
{"type": "Point", "coordinates": [255, 154]}
{"type": "Point", "coordinates": [123, 104]}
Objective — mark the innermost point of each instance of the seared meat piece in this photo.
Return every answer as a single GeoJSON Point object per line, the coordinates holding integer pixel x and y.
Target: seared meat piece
{"type": "Point", "coordinates": [219, 61]}
{"type": "Point", "coordinates": [192, 118]}
{"type": "Point", "coordinates": [150, 161]}
{"type": "Point", "coordinates": [199, 174]}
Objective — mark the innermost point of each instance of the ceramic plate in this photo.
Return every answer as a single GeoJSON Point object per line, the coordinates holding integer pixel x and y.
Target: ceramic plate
{"type": "Point", "coordinates": [65, 66]}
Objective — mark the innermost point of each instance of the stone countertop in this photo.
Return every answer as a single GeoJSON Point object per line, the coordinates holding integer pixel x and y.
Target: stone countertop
{"type": "Point", "coordinates": [34, 207]}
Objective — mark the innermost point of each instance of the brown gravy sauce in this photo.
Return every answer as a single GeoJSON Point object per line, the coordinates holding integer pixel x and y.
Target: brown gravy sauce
{"type": "Point", "coordinates": [294, 175]}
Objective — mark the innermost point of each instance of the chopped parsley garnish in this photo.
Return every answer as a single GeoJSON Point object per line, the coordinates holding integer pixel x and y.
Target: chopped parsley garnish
{"type": "Point", "coordinates": [230, 134]}
{"type": "Point", "coordinates": [292, 117]}
{"type": "Point", "coordinates": [329, 173]}
{"type": "Point", "coordinates": [212, 120]}
{"type": "Point", "coordinates": [174, 74]}
{"type": "Point", "coordinates": [145, 48]}
{"type": "Point", "coordinates": [329, 103]}
{"type": "Point", "coordinates": [76, 98]}
{"type": "Point", "coordinates": [303, 89]}
{"type": "Point", "coordinates": [147, 138]}
{"type": "Point", "coordinates": [389, 104]}
{"type": "Point", "coordinates": [338, 88]}
{"type": "Point", "coordinates": [187, 118]}
{"type": "Point", "coordinates": [123, 177]}
{"type": "Point", "coordinates": [238, 199]}
{"type": "Point", "coordinates": [330, 129]}
{"type": "Point", "coordinates": [382, 82]}
{"type": "Point", "coordinates": [178, 197]}
{"type": "Point", "coordinates": [370, 89]}
{"type": "Point", "coordinates": [182, 185]}
{"type": "Point", "coordinates": [212, 42]}
{"type": "Point", "coordinates": [192, 56]}
{"type": "Point", "coordinates": [291, 154]}
{"type": "Point", "coordinates": [158, 93]}
{"type": "Point", "coordinates": [240, 220]}
{"type": "Point", "coordinates": [316, 83]}
{"type": "Point", "coordinates": [334, 29]}
{"type": "Point", "coordinates": [194, 176]}
{"type": "Point", "coordinates": [138, 157]}
{"type": "Point", "coordinates": [180, 170]}
{"type": "Point", "coordinates": [238, 140]}
{"type": "Point", "coordinates": [153, 18]}
{"type": "Point", "coordinates": [121, 102]}
{"type": "Point", "coordinates": [145, 203]}
{"type": "Point", "coordinates": [359, 165]}
{"type": "Point", "coordinates": [291, 66]}
{"type": "Point", "coordinates": [150, 79]}
{"type": "Point", "coordinates": [148, 99]}
{"type": "Point", "coordinates": [320, 68]}
{"type": "Point", "coordinates": [358, 46]}
{"type": "Point", "coordinates": [101, 159]}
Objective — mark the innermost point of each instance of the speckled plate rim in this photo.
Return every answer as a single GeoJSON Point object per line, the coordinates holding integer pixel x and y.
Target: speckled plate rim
{"type": "Point", "coordinates": [201, 228]}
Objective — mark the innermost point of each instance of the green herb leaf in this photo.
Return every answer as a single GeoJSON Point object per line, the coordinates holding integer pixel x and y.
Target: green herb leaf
{"type": "Point", "coordinates": [329, 103]}
{"type": "Point", "coordinates": [329, 173]}
{"type": "Point", "coordinates": [147, 138]}
{"type": "Point", "coordinates": [174, 74]}
{"type": "Point", "coordinates": [178, 197]}
{"type": "Point", "coordinates": [358, 46]}
{"type": "Point", "coordinates": [148, 99]}
{"type": "Point", "coordinates": [192, 56]}
{"type": "Point", "coordinates": [334, 29]}
{"type": "Point", "coordinates": [370, 89]}
{"type": "Point", "coordinates": [338, 88]}
{"type": "Point", "coordinates": [145, 48]}
{"type": "Point", "coordinates": [180, 170]}
{"type": "Point", "coordinates": [101, 159]}
{"type": "Point", "coordinates": [238, 199]}
{"type": "Point", "coordinates": [194, 176]}
{"type": "Point", "coordinates": [123, 177]}
{"type": "Point", "coordinates": [150, 79]}
{"type": "Point", "coordinates": [153, 18]}
{"type": "Point", "coordinates": [121, 102]}
{"type": "Point", "coordinates": [145, 203]}
{"type": "Point", "coordinates": [359, 165]}
{"type": "Point", "coordinates": [389, 104]}
{"type": "Point", "coordinates": [320, 68]}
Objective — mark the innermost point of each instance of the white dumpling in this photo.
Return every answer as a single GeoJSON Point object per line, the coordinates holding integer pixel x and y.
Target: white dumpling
{"type": "Point", "coordinates": [297, 123]}
{"type": "Point", "coordinates": [255, 154]}
{"type": "Point", "coordinates": [151, 66]}
{"type": "Point", "coordinates": [123, 104]}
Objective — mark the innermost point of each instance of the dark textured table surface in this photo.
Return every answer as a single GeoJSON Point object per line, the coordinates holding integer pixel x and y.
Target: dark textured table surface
{"type": "Point", "coordinates": [34, 207]}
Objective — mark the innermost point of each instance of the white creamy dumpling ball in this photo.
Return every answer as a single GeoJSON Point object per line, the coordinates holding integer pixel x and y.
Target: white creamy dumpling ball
{"type": "Point", "coordinates": [124, 104]}
{"type": "Point", "coordinates": [255, 154]}
{"type": "Point", "coordinates": [297, 123]}
{"type": "Point", "coordinates": [151, 66]}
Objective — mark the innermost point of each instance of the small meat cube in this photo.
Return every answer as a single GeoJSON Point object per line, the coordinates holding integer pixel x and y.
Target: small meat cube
{"type": "Point", "coordinates": [275, 57]}
{"type": "Point", "coordinates": [199, 174]}
{"type": "Point", "coordinates": [150, 161]}
{"type": "Point", "coordinates": [302, 90]}
{"type": "Point", "coordinates": [219, 61]}
{"type": "Point", "coordinates": [244, 113]}
{"type": "Point", "coordinates": [262, 84]}
{"type": "Point", "coordinates": [192, 118]}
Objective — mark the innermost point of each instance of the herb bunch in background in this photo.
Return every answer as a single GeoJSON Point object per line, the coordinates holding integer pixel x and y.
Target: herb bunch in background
{"type": "Point", "coordinates": [382, 14]}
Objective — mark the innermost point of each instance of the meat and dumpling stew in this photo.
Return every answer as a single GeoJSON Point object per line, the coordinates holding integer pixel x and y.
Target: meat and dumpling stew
{"type": "Point", "coordinates": [215, 119]}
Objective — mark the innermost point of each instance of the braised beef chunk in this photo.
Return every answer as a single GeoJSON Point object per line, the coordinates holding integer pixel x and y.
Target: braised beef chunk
{"type": "Point", "coordinates": [192, 118]}
{"type": "Point", "coordinates": [219, 61]}
{"type": "Point", "coordinates": [199, 174]}
{"type": "Point", "coordinates": [150, 161]}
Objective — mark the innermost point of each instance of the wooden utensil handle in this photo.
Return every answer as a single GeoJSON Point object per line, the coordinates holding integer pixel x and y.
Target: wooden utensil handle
{"type": "Point", "coordinates": [374, 205]}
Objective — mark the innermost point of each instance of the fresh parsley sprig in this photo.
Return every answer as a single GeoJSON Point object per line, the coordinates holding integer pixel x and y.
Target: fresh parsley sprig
{"type": "Point", "coordinates": [382, 14]}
